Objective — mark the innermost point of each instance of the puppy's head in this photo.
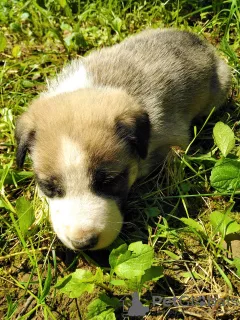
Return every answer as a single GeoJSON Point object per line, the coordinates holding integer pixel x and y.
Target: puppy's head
{"type": "Point", "coordinates": [85, 146]}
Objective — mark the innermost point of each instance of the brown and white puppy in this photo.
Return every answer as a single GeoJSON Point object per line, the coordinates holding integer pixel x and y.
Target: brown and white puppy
{"type": "Point", "coordinates": [110, 118]}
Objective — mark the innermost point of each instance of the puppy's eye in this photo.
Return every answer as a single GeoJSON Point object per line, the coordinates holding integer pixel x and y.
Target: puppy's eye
{"type": "Point", "coordinates": [51, 187]}
{"type": "Point", "coordinates": [111, 185]}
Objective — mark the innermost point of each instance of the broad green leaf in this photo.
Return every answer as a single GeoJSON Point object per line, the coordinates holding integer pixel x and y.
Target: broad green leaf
{"type": "Point", "coordinates": [119, 255]}
{"type": "Point", "coordinates": [105, 315]}
{"type": "Point", "coordinates": [95, 308]}
{"type": "Point", "coordinates": [3, 42]}
{"type": "Point", "coordinates": [134, 284]}
{"type": "Point", "coordinates": [225, 176]}
{"type": "Point", "coordinates": [224, 138]}
{"type": "Point", "coordinates": [153, 273]}
{"type": "Point", "coordinates": [25, 214]}
{"type": "Point", "coordinates": [223, 223]}
{"type": "Point", "coordinates": [118, 282]}
{"type": "Point", "coordinates": [131, 262]}
{"type": "Point", "coordinates": [100, 307]}
{"type": "Point", "coordinates": [77, 283]}
{"type": "Point", "coordinates": [192, 223]}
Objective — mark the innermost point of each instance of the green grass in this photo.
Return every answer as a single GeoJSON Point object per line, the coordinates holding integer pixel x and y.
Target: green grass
{"type": "Point", "coordinates": [171, 212]}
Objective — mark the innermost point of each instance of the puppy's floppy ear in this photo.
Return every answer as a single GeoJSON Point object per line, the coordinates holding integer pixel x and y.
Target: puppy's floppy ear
{"type": "Point", "coordinates": [24, 135]}
{"type": "Point", "coordinates": [134, 128]}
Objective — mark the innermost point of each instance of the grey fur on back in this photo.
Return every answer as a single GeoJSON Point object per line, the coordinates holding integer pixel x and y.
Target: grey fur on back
{"type": "Point", "coordinates": [174, 75]}
{"type": "Point", "coordinates": [164, 69]}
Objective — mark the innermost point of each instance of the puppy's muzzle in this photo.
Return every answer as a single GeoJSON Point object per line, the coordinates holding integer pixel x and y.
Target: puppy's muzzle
{"type": "Point", "coordinates": [86, 222]}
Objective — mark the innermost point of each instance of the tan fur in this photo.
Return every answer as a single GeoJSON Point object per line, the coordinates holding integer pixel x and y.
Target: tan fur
{"type": "Point", "coordinates": [86, 116]}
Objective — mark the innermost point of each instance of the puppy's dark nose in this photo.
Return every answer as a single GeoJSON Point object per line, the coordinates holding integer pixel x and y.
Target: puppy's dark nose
{"type": "Point", "coordinates": [90, 243]}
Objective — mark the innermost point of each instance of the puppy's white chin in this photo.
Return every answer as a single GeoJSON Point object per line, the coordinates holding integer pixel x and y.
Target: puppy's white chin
{"type": "Point", "coordinates": [82, 218]}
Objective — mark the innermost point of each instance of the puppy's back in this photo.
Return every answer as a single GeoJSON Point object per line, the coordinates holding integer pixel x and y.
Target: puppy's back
{"type": "Point", "coordinates": [166, 70]}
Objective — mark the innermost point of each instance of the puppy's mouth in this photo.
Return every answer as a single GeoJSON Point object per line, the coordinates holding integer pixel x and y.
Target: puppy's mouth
{"type": "Point", "coordinates": [92, 243]}
{"type": "Point", "coordinates": [81, 244]}
{"type": "Point", "coordinates": [85, 245]}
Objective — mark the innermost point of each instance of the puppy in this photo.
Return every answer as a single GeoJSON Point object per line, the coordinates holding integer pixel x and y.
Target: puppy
{"type": "Point", "coordinates": [109, 119]}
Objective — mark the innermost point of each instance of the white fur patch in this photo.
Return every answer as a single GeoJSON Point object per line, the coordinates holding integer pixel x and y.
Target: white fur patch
{"type": "Point", "coordinates": [71, 155]}
{"type": "Point", "coordinates": [79, 218]}
{"type": "Point", "coordinates": [73, 77]}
